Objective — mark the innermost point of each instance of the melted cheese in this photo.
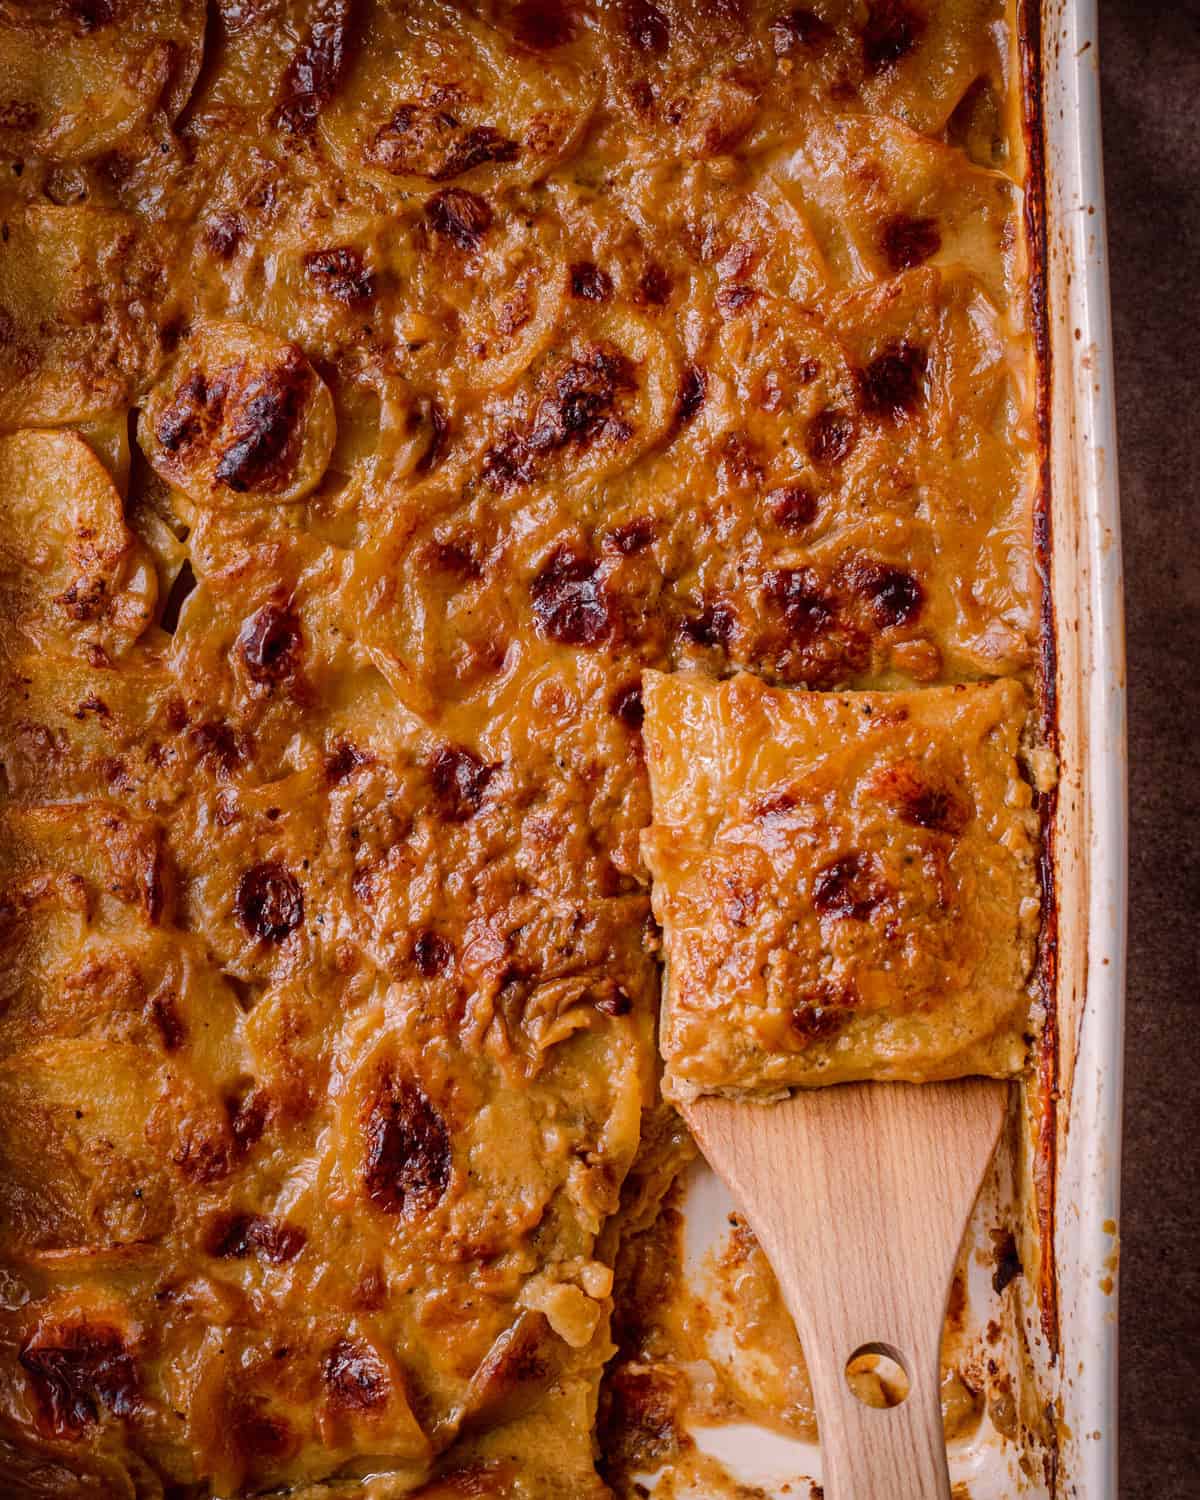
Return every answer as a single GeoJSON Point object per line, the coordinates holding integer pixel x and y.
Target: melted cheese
{"type": "Point", "coordinates": [479, 356]}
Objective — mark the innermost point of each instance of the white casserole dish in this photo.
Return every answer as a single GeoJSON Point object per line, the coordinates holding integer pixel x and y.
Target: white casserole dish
{"type": "Point", "coordinates": [1052, 1346]}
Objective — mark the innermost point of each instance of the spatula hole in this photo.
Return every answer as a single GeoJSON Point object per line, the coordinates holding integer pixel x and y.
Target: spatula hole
{"type": "Point", "coordinates": [877, 1375]}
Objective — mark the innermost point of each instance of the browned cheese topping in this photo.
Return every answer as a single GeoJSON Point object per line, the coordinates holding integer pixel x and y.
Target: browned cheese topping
{"type": "Point", "coordinates": [384, 386]}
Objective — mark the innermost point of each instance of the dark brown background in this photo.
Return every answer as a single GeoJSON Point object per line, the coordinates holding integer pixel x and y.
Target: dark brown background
{"type": "Point", "coordinates": [1150, 72]}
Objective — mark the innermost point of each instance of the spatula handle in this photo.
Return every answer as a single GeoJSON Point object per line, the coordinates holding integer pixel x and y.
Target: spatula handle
{"type": "Point", "coordinates": [859, 1196]}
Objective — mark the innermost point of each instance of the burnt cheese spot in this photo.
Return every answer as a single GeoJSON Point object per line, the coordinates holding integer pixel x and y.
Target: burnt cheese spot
{"type": "Point", "coordinates": [164, 1014]}
{"type": "Point", "coordinates": [792, 507]}
{"type": "Point", "coordinates": [626, 705]}
{"type": "Point", "coordinates": [406, 1168]}
{"type": "Point", "coordinates": [235, 1236]}
{"type": "Point", "coordinates": [426, 141]}
{"type": "Point", "coordinates": [646, 27]}
{"type": "Point", "coordinates": [917, 798]}
{"type": "Point", "coordinates": [893, 29]}
{"type": "Point", "coordinates": [223, 234]}
{"type": "Point", "coordinates": [849, 887]}
{"type": "Point", "coordinates": [314, 69]}
{"type": "Point", "coordinates": [439, 426]}
{"type": "Point", "coordinates": [806, 607]}
{"type": "Point", "coordinates": [817, 1023]}
{"type": "Point", "coordinates": [194, 411]}
{"type": "Point", "coordinates": [432, 954]}
{"type": "Point", "coordinates": [713, 625]}
{"type": "Point", "coordinates": [631, 537]}
{"type": "Point", "coordinates": [654, 286]}
{"type": "Point", "coordinates": [270, 644]}
{"type": "Point", "coordinates": [891, 385]}
{"type": "Point", "coordinates": [247, 1115]}
{"type": "Point", "coordinates": [570, 603]}
{"type": "Point", "coordinates": [543, 24]}
{"type": "Point", "coordinates": [459, 779]}
{"type": "Point", "coordinates": [269, 902]}
{"type": "Point", "coordinates": [693, 387]}
{"type": "Point", "coordinates": [342, 273]}
{"type": "Point", "coordinates": [90, 15]}
{"type": "Point", "coordinates": [355, 1377]}
{"type": "Point", "coordinates": [894, 595]}
{"type": "Point", "coordinates": [830, 438]}
{"type": "Point", "coordinates": [77, 1370]}
{"type": "Point", "coordinates": [908, 242]}
{"type": "Point", "coordinates": [261, 1435]}
{"type": "Point", "coordinates": [799, 29]}
{"type": "Point", "coordinates": [343, 761]}
{"type": "Point", "coordinates": [589, 283]}
{"type": "Point", "coordinates": [461, 217]}
{"type": "Point", "coordinates": [266, 427]}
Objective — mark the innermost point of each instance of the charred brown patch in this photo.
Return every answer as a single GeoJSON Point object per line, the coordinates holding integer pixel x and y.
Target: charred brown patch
{"type": "Point", "coordinates": [77, 1370]}
{"type": "Point", "coordinates": [713, 625]}
{"type": "Point", "coordinates": [314, 69]}
{"type": "Point", "coordinates": [193, 414]}
{"type": "Point", "coordinates": [236, 1236]}
{"type": "Point", "coordinates": [631, 537]}
{"type": "Point", "coordinates": [90, 15]}
{"type": "Point", "coordinates": [895, 596]}
{"type": "Point", "coordinates": [817, 1023]}
{"type": "Point", "coordinates": [693, 388]}
{"type": "Point", "coordinates": [799, 30]}
{"type": "Point", "coordinates": [218, 747]}
{"type": "Point", "coordinates": [831, 437]}
{"type": "Point", "coordinates": [849, 887]}
{"type": "Point", "coordinates": [917, 799]}
{"type": "Point", "coordinates": [807, 608]}
{"type": "Point", "coordinates": [589, 282]}
{"type": "Point", "coordinates": [792, 507]}
{"type": "Point", "coordinates": [459, 216]}
{"type": "Point", "coordinates": [640, 1416]}
{"type": "Point", "coordinates": [908, 242]}
{"type": "Point", "coordinates": [427, 141]}
{"type": "Point", "coordinates": [732, 299]}
{"type": "Point", "coordinates": [459, 779]}
{"type": "Point", "coordinates": [406, 1167]}
{"type": "Point", "coordinates": [892, 384]}
{"type": "Point", "coordinates": [646, 27]}
{"type": "Point", "coordinates": [432, 954]}
{"type": "Point", "coordinates": [164, 1015]}
{"type": "Point", "coordinates": [893, 29]}
{"type": "Point", "coordinates": [570, 603]}
{"type": "Point", "coordinates": [543, 24]}
{"type": "Point", "coordinates": [355, 1377]}
{"type": "Point", "coordinates": [270, 644]}
{"type": "Point", "coordinates": [610, 999]}
{"type": "Point", "coordinates": [654, 286]}
{"type": "Point", "coordinates": [454, 556]}
{"type": "Point", "coordinates": [342, 273]}
{"type": "Point", "coordinates": [269, 902]}
{"type": "Point", "coordinates": [343, 761]}
{"type": "Point", "coordinates": [439, 427]}
{"type": "Point", "coordinates": [223, 233]}
{"type": "Point", "coordinates": [266, 427]}
{"type": "Point", "coordinates": [627, 706]}
{"type": "Point", "coordinates": [261, 1435]}
{"type": "Point", "coordinates": [247, 1114]}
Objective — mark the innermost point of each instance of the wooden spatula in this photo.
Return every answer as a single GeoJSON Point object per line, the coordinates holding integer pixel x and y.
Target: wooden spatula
{"type": "Point", "coordinates": [859, 1195]}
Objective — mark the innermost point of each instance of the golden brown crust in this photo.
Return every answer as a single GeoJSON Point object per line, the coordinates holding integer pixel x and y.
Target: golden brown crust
{"type": "Point", "coordinates": [624, 335]}
{"type": "Point", "coordinates": [845, 882]}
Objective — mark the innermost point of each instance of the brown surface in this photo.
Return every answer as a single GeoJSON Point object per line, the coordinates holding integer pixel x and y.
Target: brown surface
{"type": "Point", "coordinates": [1151, 78]}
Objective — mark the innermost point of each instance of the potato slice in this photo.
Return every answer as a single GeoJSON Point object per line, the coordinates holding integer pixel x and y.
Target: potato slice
{"type": "Point", "coordinates": [79, 79]}
{"type": "Point", "coordinates": [435, 97]}
{"type": "Point", "coordinates": [77, 293]}
{"type": "Point", "coordinates": [241, 419]}
{"type": "Point", "coordinates": [70, 569]}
